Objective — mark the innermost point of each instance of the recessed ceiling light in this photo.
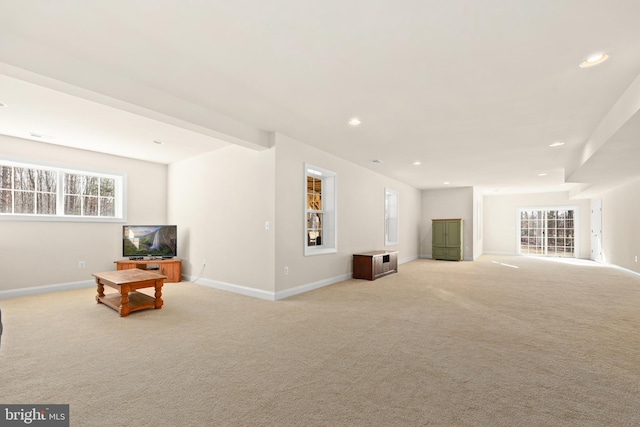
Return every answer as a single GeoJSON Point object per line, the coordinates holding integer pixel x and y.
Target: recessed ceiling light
{"type": "Point", "coordinates": [557, 144]}
{"type": "Point", "coordinates": [2, 105]}
{"type": "Point", "coordinates": [39, 135]}
{"type": "Point", "coordinates": [542, 174]}
{"type": "Point", "coordinates": [354, 121]}
{"type": "Point", "coordinates": [594, 60]}
{"type": "Point", "coordinates": [417, 163]}
{"type": "Point", "coordinates": [155, 141]}
{"type": "Point", "coordinates": [446, 183]}
{"type": "Point", "coordinates": [377, 161]}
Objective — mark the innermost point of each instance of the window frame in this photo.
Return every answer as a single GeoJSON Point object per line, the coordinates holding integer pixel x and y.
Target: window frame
{"type": "Point", "coordinates": [120, 195]}
{"type": "Point", "coordinates": [545, 236]}
{"type": "Point", "coordinates": [391, 217]}
{"type": "Point", "coordinates": [329, 211]}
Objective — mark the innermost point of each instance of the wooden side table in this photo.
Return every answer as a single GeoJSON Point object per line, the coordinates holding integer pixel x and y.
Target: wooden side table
{"type": "Point", "coordinates": [126, 282]}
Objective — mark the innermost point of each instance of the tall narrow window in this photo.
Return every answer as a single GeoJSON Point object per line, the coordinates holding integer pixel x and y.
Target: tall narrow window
{"type": "Point", "coordinates": [391, 216]}
{"type": "Point", "coordinates": [549, 232]}
{"type": "Point", "coordinates": [314, 211]}
{"type": "Point", "coordinates": [320, 211]}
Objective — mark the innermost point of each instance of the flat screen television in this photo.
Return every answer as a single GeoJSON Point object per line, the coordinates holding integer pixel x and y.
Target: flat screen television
{"type": "Point", "coordinates": [149, 241]}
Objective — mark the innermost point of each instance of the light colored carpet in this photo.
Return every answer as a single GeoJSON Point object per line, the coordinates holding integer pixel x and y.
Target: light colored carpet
{"type": "Point", "coordinates": [502, 341]}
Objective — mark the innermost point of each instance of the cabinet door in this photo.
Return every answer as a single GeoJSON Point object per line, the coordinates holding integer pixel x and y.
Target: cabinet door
{"type": "Point", "coordinates": [393, 261]}
{"type": "Point", "coordinates": [438, 233]}
{"type": "Point", "coordinates": [454, 253]}
{"type": "Point", "coordinates": [378, 266]}
{"type": "Point", "coordinates": [167, 270]}
{"type": "Point", "coordinates": [453, 234]}
{"type": "Point", "coordinates": [172, 271]}
{"type": "Point", "coordinates": [439, 253]}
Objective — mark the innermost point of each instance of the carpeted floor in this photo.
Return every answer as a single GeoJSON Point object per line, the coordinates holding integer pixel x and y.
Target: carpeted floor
{"type": "Point", "coordinates": [502, 341]}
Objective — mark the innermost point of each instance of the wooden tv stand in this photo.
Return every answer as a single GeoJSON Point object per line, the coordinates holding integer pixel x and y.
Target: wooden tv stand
{"type": "Point", "coordinates": [172, 268]}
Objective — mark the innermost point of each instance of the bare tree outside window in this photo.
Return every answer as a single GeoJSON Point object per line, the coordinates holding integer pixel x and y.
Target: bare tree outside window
{"type": "Point", "coordinates": [73, 185]}
{"type": "Point", "coordinates": [87, 195]}
{"type": "Point", "coordinates": [6, 186]}
{"type": "Point", "coordinates": [26, 190]}
{"type": "Point", "coordinates": [549, 232]}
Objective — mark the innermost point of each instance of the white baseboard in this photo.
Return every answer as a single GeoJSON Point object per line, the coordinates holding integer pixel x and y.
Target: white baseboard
{"type": "Point", "coordinates": [230, 287]}
{"type": "Point", "coordinates": [325, 282]}
{"type": "Point", "coordinates": [463, 259]}
{"type": "Point", "coordinates": [13, 293]}
{"type": "Point", "coordinates": [311, 286]}
{"type": "Point", "coordinates": [268, 295]}
{"type": "Point", "coordinates": [623, 269]}
{"type": "Point", "coordinates": [405, 260]}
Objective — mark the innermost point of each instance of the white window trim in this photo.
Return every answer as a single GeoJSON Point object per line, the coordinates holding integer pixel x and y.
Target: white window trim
{"type": "Point", "coordinates": [121, 193]}
{"type": "Point", "coordinates": [391, 212]}
{"type": "Point", "coordinates": [330, 201]}
{"type": "Point", "coordinates": [576, 226]}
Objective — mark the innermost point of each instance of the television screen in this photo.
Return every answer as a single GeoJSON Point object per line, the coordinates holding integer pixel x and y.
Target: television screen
{"type": "Point", "coordinates": [149, 240]}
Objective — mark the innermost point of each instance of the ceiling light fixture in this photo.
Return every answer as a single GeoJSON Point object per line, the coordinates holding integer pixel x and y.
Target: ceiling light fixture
{"type": "Point", "coordinates": [39, 135]}
{"type": "Point", "coordinates": [594, 60]}
{"type": "Point", "coordinates": [377, 161]}
{"type": "Point", "coordinates": [446, 183]}
{"type": "Point", "coordinates": [556, 144]}
{"type": "Point", "coordinates": [542, 174]}
{"type": "Point", "coordinates": [155, 141]}
{"type": "Point", "coordinates": [355, 121]}
{"type": "Point", "coordinates": [417, 163]}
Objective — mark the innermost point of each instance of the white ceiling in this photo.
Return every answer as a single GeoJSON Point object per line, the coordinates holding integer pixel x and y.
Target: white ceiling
{"type": "Point", "coordinates": [475, 90]}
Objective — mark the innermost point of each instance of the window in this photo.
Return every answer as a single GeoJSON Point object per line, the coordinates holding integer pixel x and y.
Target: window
{"type": "Point", "coordinates": [320, 211]}
{"type": "Point", "coordinates": [41, 192]}
{"type": "Point", "coordinates": [549, 232]}
{"type": "Point", "coordinates": [391, 209]}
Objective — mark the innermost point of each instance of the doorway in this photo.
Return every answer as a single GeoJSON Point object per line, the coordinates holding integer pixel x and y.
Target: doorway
{"type": "Point", "coordinates": [548, 232]}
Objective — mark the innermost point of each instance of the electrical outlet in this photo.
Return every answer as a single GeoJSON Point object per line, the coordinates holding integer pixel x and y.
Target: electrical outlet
{"type": "Point", "coordinates": [81, 264]}
{"type": "Point", "coordinates": [204, 262]}
{"type": "Point", "coordinates": [286, 270]}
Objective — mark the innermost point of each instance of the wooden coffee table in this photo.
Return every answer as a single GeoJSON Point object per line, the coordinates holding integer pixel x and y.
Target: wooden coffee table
{"type": "Point", "coordinates": [126, 282]}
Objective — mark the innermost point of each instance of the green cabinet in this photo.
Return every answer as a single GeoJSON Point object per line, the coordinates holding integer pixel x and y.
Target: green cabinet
{"type": "Point", "coordinates": [447, 239]}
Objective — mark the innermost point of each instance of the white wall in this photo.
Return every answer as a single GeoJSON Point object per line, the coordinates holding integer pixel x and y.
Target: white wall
{"type": "Point", "coordinates": [621, 227]}
{"type": "Point", "coordinates": [360, 216]}
{"type": "Point", "coordinates": [500, 220]}
{"type": "Point", "coordinates": [478, 226]}
{"type": "Point", "coordinates": [447, 203]}
{"type": "Point", "coordinates": [220, 202]}
{"type": "Point", "coordinates": [38, 253]}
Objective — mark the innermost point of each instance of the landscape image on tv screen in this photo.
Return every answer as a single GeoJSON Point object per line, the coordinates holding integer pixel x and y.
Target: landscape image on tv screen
{"type": "Point", "coordinates": [149, 240]}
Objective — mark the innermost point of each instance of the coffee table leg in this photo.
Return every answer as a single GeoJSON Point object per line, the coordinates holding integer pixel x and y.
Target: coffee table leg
{"type": "Point", "coordinates": [159, 302]}
{"type": "Point", "coordinates": [100, 291]}
{"type": "Point", "coordinates": [124, 301]}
